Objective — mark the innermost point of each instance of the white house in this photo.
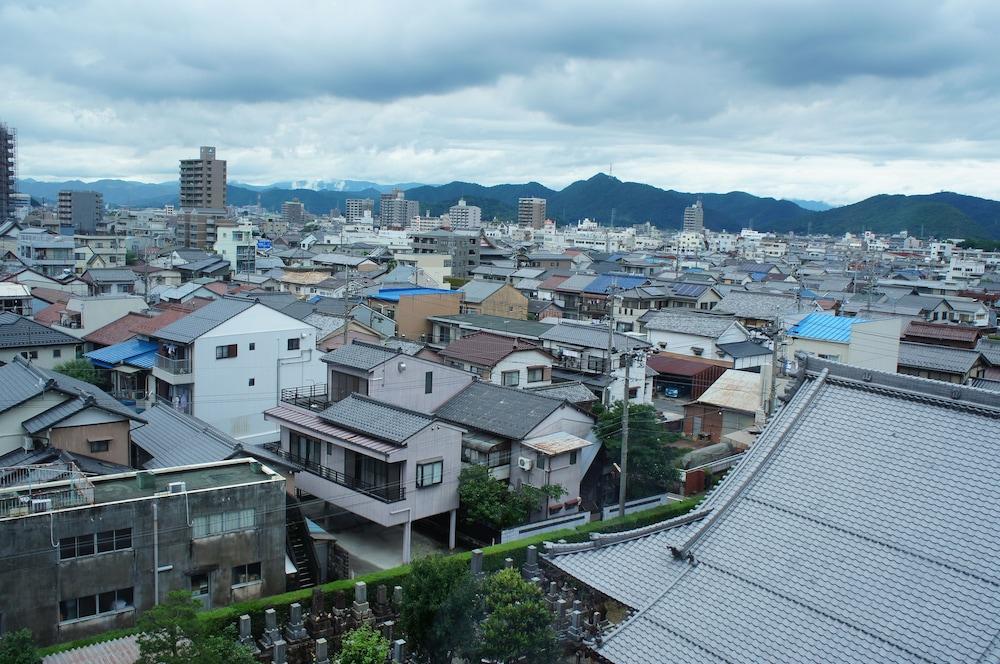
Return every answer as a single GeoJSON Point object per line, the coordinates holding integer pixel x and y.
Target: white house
{"type": "Point", "coordinates": [502, 360]}
{"type": "Point", "coordinates": [870, 344]}
{"type": "Point", "coordinates": [228, 362]}
{"type": "Point", "coordinates": [691, 333]}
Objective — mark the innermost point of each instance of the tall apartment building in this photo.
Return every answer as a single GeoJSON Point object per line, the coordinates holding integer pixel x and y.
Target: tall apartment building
{"type": "Point", "coordinates": [356, 208]}
{"type": "Point", "coordinates": [465, 216]}
{"type": "Point", "coordinates": [105, 549]}
{"type": "Point", "coordinates": [694, 217]}
{"type": "Point", "coordinates": [81, 210]}
{"type": "Point", "coordinates": [293, 212]}
{"type": "Point", "coordinates": [203, 181]}
{"type": "Point", "coordinates": [395, 210]}
{"type": "Point", "coordinates": [461, 245]}
{"type": "Point", "coordinates": [531, 212]}
{"type": "Point", "coordinates": [197, 230]}
{"type": "Point", "coordinates": [8, 171]}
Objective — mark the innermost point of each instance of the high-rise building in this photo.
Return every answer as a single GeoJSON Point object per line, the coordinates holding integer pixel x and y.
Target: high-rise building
{"type": "Point", "coordinates": [356, 208]}
{"type": "Point", "coordinates": [293, 211]}
{"type": "Point", "coordinates": [203, 181]}
{"type": "Point", "coordinates": [694, 217]}
{"type": "Point", "coordinates": [8, 171]}
{"type": "Point", "coordinates": [531, 212]}
{"type": "Point", "coordinates": [395, 210]}
{"type": "Point", "coordinates": [81, 210]}
{"type": "Point", "coordinates": [465, 216]}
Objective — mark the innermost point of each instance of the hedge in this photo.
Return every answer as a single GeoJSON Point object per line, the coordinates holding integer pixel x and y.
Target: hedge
{"type": "Point", "coordinates": [494, 558]}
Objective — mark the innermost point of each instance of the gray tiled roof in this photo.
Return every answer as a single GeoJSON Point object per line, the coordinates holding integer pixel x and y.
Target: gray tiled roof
{"type": "Point", "coordinates": [591, 336]}
{"type": "Point", "coordinates": [990, 349]}
{"type": "Point", "coordinates": [741, 349]}
{"type": "Point", "coordinates": [109, 275]}
{"type": "Point", "coordinates": [692, 323]}
{"type": "Point", "coordinates": [375, 418]}
{"type": "Point", "coordinates": [176, 439]}
{"type": "Point", "coordinates": [937, 358]}
{"type": "Point", "coordinates": [572, 391]}
{"type": "Point", "coordinates": [499, 410]}
{"type": "Point", "coordinates": [476, 291]}
{"type": "Point", "coordinates": [20, 332]}
{"type": "Point", "coordinates": [513, 326]}
{"type": "Point", "coordinates": [358, 355]}
{"type": "Point", "coordinates": [814, 552]}
{"type": "Point", "coordinates": [200, 321]}
{"type": "Point", "coordinates": [71, 407]}
{"type": "Point", "coordinates": [761, 306]}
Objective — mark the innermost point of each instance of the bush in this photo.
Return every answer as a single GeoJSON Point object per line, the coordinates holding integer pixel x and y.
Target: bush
{"type": "Point", "coordinates": [18, 648]}
{"type": "Point", "coordinates": [364, 646]}
{"type": "Point", "coordinates": [80, 368]}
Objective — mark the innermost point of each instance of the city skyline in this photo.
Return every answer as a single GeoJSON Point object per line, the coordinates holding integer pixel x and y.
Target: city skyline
{"type": "Point", "coordinates": [828, 101]}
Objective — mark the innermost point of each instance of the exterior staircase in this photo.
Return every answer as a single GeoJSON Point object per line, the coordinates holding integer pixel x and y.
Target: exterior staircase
{"type": "Point", "coordinates": [299, 547]}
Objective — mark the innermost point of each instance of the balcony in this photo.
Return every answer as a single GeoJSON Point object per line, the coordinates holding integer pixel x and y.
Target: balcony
{"type": "Point", "coordinates": [310, 397]}
{"type": "Point", "coordinates": [173, 365]}
{"type": "Point", "coordinates": [387, 493]}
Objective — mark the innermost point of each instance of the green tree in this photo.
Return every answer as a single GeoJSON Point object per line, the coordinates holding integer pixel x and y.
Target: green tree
{"type": "Point", "coordinates": [440, 608]}
{"type": "Point", "coordinates": [518, 626]}
{"type": "Point", "coordinates": [492, 503]}
{"type": "Point", "coordinates": [131, 258]}
{"type": "Point", "coordinates": [172, 634]}
{"type": "Point", "coordinates": [651, 461]}
{"type": "Point", "coordinates": [364, 646]}
{"type": "Point", "coordinates": [80, 368]}
{"type": "Point", "coordinates": [18, 648]}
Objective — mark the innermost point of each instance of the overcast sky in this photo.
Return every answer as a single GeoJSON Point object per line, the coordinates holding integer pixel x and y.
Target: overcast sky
{"type": "Point", "coordinates": [801, 99]}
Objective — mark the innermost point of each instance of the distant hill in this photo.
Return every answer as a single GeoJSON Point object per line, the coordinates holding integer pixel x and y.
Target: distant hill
{"type": "Point", "coordinates": [330, 185]}
{"type": "Point", "coordinates": [942, 214]}
{"type": "Point", "coordinates": [815, 206]}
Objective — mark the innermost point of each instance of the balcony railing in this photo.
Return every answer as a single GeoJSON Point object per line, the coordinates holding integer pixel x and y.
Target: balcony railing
{"type": "Point", "coordinates": [130, 395]}
{"type": "Point", "coordinates": [173, 365]}
{"type": "Point", "coordinates": [313, 397]}
{"type": "Point", "coordinates": [393, 492]}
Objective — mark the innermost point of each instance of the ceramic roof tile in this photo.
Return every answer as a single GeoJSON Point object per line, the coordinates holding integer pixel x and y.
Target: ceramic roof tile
{"type": "Point", "coordinates": [375, 418]}
{"type": "Point", "coordinates": [20, 332]}
{"type": "Point", "coordinates": [359, 355]}
{"type": "Point", "coordinates": [937, 358]}
{"type": "Point", "coordinates": [499, 410]}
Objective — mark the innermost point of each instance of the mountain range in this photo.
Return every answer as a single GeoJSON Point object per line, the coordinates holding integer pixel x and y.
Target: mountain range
{"type": "Point", "coordinates": [605, 199]}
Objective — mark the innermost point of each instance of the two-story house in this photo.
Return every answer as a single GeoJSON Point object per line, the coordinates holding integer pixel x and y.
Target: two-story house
{"type": "Point", "coordinates": [691, 333]}
{"type": "Point", "coordinates": [43, 346]}
{"type": "Point", "coordinates": [507, 361]}
{"type": "Point", "coordinates": [227, 362]}
{"type": "Point", "coordinates": [493, 298]}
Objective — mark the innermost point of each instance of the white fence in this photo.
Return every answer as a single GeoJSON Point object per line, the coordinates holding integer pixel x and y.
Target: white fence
{"type": "Point", "coordinates": [554, 523]}
{"type": "Point", "coordinates": [639, 504]}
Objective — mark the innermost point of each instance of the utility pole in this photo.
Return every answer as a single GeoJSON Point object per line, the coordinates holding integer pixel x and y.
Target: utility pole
{"type": "Point", "coordinates": [347, 304]}
{"type": "Point", "coordinates": [622, 485]}
{"type": "Point", "coordinates": [775, 342]}
{"type": "Point", "coordinates": [608, 368]}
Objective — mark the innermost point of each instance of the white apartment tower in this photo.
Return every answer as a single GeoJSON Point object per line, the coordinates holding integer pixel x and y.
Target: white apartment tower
{"type": "Point", "coordinates": [694, 218]}
{"type": "Point", "coordinates": [465, 216]}
{"type": "Point", "coordinates": [356, 208]}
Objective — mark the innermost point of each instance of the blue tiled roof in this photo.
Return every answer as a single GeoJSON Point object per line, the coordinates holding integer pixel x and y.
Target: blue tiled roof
{"type": "Point", "coordinates": [603, 282]}
{"type": "Point", "coordinates": [825, 327]}
{"type": "Point", "coordinates": [393, 294]}
{"type": "Point", "coordinates": [133, 351]}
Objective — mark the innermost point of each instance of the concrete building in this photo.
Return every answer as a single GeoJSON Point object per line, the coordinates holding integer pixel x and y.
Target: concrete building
{"type": "Point", "coordinates": [694, 218]}
{"type": "Point", "coordinates": [198, 229]}
{"type": "Point", "coordinates": [462, 246]}
{"type": "Point", "coordinates": [293, 212]}
{"type": "Point", "coordinates": [357, 207]}
{"type": "Point", "coordinates": [465, 216]}
{"type": "Point", "coordinates": [410, 308]}
{"type": "Point", "coordinates": [203, 182]}
{"type": "Point", "coordinates": [99, 251]}
{"type": "Point", "coordinates": [236, 243]}
{"type": "Point", "coordinates": [51, 255]}
{"type": "Point", "coordinates": [228, 362]}
{"type": "Point", "coordinates": [8, 171]}
{"type": "Point", "coordinates": [395, 210]}
{"type": "Point", "coordinates": [83, 211]}
{"type": "Point", "coordinates": [531, 212]}
{"type": "Point", "coordinates": [435, 266]}
{"type": "Point", "coordinates": [869, 344]}
{"type": "Point", "coordinates": [105, 549]}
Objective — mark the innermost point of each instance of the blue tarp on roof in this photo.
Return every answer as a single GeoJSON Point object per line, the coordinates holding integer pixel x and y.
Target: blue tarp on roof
{"type": "Point", "coordinates": [604, 282]}
{"type": "Point", "coordinates": [135, 352]}
{"type": "Point", "coordinates": [825, 327]}
{"type": "Point", "coordinates": [393, 294]}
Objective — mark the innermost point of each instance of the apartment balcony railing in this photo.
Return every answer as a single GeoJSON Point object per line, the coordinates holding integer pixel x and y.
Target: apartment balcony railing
{"type": "Point", "coordinates": [130, 395]}
{"type": "Point", "coordinates": [173, 365]}
{"type": "Point", "coordinates": [313, 397]}
{"type": "Point", "coordinates": [393, 492]}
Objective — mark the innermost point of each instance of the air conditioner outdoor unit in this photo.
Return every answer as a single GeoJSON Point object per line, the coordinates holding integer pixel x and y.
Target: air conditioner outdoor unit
{"type": "Point", "coordinates": [524, 463]}
{"type": "Point", "coordinates": [177, 487]}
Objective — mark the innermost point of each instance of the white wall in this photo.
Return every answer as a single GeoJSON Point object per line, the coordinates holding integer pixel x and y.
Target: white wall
{"type": "Point", "coordinates": [520, 362]}
{"type": "Point", "coordinates": [681, 343]}
{"type": "Point", "coordinates": [404, 386]}
{"type": "Point", "coordinates": [222, 394]}
{"type": "Point", "coordinates": [875, 344]}
{"type": "Point", "coordinates": [46, 358]}
{"type": "Point", "coordinates": [11, 432]}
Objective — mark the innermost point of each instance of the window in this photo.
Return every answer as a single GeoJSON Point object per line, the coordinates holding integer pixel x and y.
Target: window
{"type": "Point", "coordinates": [510, 378]}
{"type": "Point", "coordinates": [595, 363]}
{"type": "Point", "coordinates": [92, 605]}
{"type": "Point", "coordinates": [30, 354]}
{"type": "Point", "coordinates": [97, 446]}
{"type": "Point", "coordinates": [246, 573]}
{"type": "Point", "coordinates": [57, 352]}
{"type": "Point", "coordinates": [572, 458]}
{"type": "Point", "coordinates": [536, 374]}
{"type": "Point", "coordinates": [251, 382]}
{"type": "Point", "coordinates": [428, 382]}
{"type": "Point", "coordinates": [222, 522]}
{"type": "Point", "coordinates": [225, 352]}
{"type": "Point", "coordinates": [253, 346]}
{"type": "Point", "coordinates": [541, 461]}
{"type": "Point", "coordinates": [293, 343]}
{"type": "Point", "coordinates": [84, 545]}
{"type": "Point", "coordinates": [430, 473]}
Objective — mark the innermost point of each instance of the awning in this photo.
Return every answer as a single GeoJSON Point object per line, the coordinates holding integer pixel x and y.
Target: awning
{"type": "Point", "coordinates": [481, 443]}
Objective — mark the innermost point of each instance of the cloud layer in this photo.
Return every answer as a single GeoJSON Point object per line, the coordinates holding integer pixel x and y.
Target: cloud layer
{"type": "Point", "coordinates": [798, 98]}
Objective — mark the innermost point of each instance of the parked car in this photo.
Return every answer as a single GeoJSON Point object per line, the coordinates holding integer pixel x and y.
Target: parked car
{"type": "Point", "coordinates": [671, 392]}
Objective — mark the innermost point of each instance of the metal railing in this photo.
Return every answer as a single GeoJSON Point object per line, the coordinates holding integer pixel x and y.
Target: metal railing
{"type": "Point", "coordinates": [313, 397]}
{"type": "Point", "coordinates": [387, 493]}
{"type": "Point", "coordinates": [173, 365]}
{"type": "Point", "coordinates": [130, 395]}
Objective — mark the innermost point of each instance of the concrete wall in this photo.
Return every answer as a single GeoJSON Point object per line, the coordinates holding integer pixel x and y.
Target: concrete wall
{"type": "Point", "coordinates": [405, 386]}
{"type": "Point", "coordinates": [411, 312]}
{"type": "Point", "coordinates": [677, 342]}
{"type": "Point", "coordinates": [875, 344]}
{"type": "Point", "coordinates": [46, 355]}
{"type": "Point", "coordinates": [520, 362]}
{"type": "Point", "coordinates": [223, 396]}
{"type": "Point", "coordinates": [33, 585]}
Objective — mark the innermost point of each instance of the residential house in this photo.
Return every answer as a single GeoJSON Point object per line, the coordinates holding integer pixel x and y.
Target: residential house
{"type": "Point", "coordinates": [110, 281]}
{"type": "Point", "coordinates": [410, 308]}
{"type": "Point", "coordinates": [635, 302]}
{"type": "Point", "coordinates": [870, 344]}
{"type": "Point", "coordinates": [952, 365]}
{"type": "Point", "coordinates": [106, 549]}
{"type": "Point", "coordinates": [542, 309]}
{"type": "Point", "coordinates": [81, 316]}
{"type": "Point", "coordinates": [938, 334]}
{"type": "Point", "coordinates": [758, 310]}
{"type": "Point", "coordinates": [690, 333]}
{"type": "Point", "coordinates": [796, 565]}
{"type": "Point", "coordinates": [730, 404]}
{"type": "Point", "coordinates": [43, 346]}
{"type": "Point", "coordinates": [94, 252]}
{"type": "Point", "coordinates": [445, 329]}
{"type": "Point", "coordinates": [227, 362]}
{"type": "Point", "coordinates": [493, 299]}
{"type": "Point", "coordinates": [506, 361]}
{"type": "Point", "coordinates": [16, 299]}
{"type": "Point", "coordinates": [45, 253]}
